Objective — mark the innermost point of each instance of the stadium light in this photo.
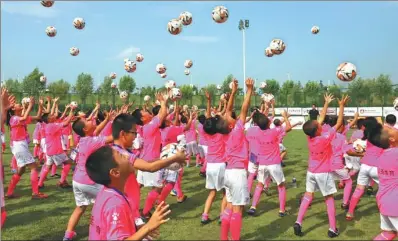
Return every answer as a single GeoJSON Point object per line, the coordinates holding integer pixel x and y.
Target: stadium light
{"type": "Point", "coordinates": [243, 25]}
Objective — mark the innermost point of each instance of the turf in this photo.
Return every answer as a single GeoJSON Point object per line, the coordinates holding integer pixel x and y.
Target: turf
{"type": "Point", "coordinates": [47, 219]}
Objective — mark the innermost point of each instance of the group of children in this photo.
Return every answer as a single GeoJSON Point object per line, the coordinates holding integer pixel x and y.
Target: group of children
{"type": "Point", "coordinates": [117, 152]}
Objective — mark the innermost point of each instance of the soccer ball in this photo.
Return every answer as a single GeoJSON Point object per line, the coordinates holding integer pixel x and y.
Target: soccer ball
{"type": "Point", "coordinates": [157, 102]}
{"type": "Point", "coordinates": [277, 46]}
{"type": "Point", "coordinates": [267, 97]}
{"type": "Point", "coordinates": [315, 29]}
{"type": "Point", "coordinates": [161, 68]}
{"type": "Point", "coordinates": [186, 18]}
{"type": "Point", "coordinates": [169, 151]}
{"type": "Point", "coordinates": [187, 72]}
{"type": "Point", "coordinates": [220, 14]}
{"type": "Point", "coordinates": [188, 63]}
{"type": "Point", "coordinates": [74, 51]}
{"type": "Point", "coordinates": [194, 108]}
{"type": "Point", "coordinates": [112, 76]}
{"type": "Point", "coordinates": [123, 95]}
{"type": "Point", "coordinates": [171, 107]}
{"type": "Point", "coordinates": [79, 23]}
{"type": "Point", "coordinates": [147, 98]}
{"type": "Point", "coordinates": [396, 104]}
{"type": "Point", "coordinates": [43, 78]}
{"type": "Point", "coordinates": [268, 52]}
{"type": "Point", "coordinates": [113, 85]}
{"type": "Point", "coordinates": [222, 97]}
{"type": "Point", "coordinates": [47, 3]}
{"type": "Point", "coordinates": [263, 85]}
{"type": "Point", "coordinates": [185, 107]}
{"type": "Point", "coordinates": [25, 101]}
{"type": "Point", "coordinates": [139, 57]}
{"type": "Point", "coordinates": [174, 26]}
{"type": "Point", "coordinates": [170, 84]}
{"type": "Point", "coordinates": [127, 59]}
{"type": "Point", "coordinates": [346, 71]}
{"type": "Point", "coordinates": [164, 75]}
{"type": "Point", "coordinates": [219, 87]}
{"type": "Point", "coordinates": [359, 145]}
{"type": "Point", "coordinates": [73, 104]}
{"type": "Point", "coordinates": [51, 31]}
{"type": "Point", "coordinates": [130, 66]}
{"type": "Point", "coordinates": [175, 94]}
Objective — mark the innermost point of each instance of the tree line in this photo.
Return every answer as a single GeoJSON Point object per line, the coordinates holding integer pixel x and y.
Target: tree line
{"type": "Point", "coordinates": [379, 91]}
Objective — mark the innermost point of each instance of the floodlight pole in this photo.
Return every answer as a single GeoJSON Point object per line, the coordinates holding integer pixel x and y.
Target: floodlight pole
{"type": "Point", "coordinates": [243, 25]}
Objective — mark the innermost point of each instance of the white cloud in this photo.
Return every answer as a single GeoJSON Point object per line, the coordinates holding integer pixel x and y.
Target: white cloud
{"type": "Point", "coordinates": [200, 39]}
{"type": "Point", "coordinates": [34, 9]}
{"type": "Point", "coordinates": [127, 52]}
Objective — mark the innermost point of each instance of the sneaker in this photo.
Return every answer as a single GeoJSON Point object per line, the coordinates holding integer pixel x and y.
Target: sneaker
{"type": "Point", "coordinates": [205, 220]}
{"type": "Point", "coordinates": [333, 233]}
{"type": "Point", "coordinates": [297, 230]}
{"type": "Point", "coordinates": [39, 196]}
{"type": "Point", "coordinates": [369, 191]}
{"type": "Point", "coordinates": [282, 214]}
{"type": "Point", "coordinates": [251, 211]}
{"type": "Point", "coordinates": [182, 199]}
{"type": "Point", "coordinates": [349, 217]}
{"type": "Point", "coordinates": [283, 164]}
{"type": "Point", "coordinates": [345, 206]}
{"type": "Point", "coordinates": [64, 185]}
{"type": "Point", "coordinates": [55, 175]}
{"type": "Point", "coordinates": [12, 196]}
{"type": "Point", "coordinates": [173, 193]}
{"type": "Point", "coordinates": [69, 238]}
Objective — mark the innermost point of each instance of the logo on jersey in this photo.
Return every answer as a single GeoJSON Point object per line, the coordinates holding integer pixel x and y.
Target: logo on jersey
{"type": "Point", "coordinates": [115, 217]}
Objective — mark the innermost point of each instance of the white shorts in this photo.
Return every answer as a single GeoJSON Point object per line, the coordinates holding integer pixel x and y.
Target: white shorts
{"type": "Point", "coordinates": [20, 150]}
{"type": "Point", "coordinates": [366, 173]}
{"type": "Point", "coordinates": [320, 181]}
{"type": "Point", "coordinates": [2, 137]}
{"type": "Point", "coordinates": [388, 223]}
{"type": "Point", "coordinates": [352, 162]}
{"type": "Point", "coordinates": [215, 174]}
{"type": "Point", "coordinates": [192, 148]}
{"type": "Point", "coordinates": [64, 142]}
{"type": "Point", "coordinates": [43, 145]}
{"type": "Point", "coordinates": [341, 174]}
{"type": "Point", "coordinates": [85, 194]}
{"type": "Point", "coordinates": [202, 151]}
{"type": "Point", "coordinates": [252, 168]}
{"type": "Point", "coordinates": [168, 175]}
{"type": "Point", "coordinates": [235, 184]}
{"type": "Point", "coordinates": [149, 179]}
{"type": "Point", "coordinates": [274, 170]}
{"type": "Point", "coordinates": [282, 148]}
{"type": "Point", "coordinates": [56, 159]}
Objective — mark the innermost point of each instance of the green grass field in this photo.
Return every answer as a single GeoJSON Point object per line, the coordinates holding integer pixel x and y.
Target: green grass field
{"type": "Point", "coordinates": [47, 219]}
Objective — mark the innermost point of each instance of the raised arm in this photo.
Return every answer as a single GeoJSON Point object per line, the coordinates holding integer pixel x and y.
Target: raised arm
{"type": "Point", "coordinates": [246, 102]}
{"type": "Point", "coordinates": [54, 106]}
{"type": "Point", "coordinates": [7, 101]}
{"type": "Point", "coordinates": [192, 117]}
{"type": "Point", "coordinates": [39, 112]}
{"type": "Point", "coordinates": [232, 98]}
{"type": "Point", "coordinates": [354, 121]}
{"type": "Point", "coordinates": [68, 119]}
{"type": "Point", "coordinates": [176, 115]}
{"type": "Point", "coordinates": [288, 126]}
{"type": "Point", "coordinates": [328, 99]}
{"type": "Point", "coordinates": [344, 100]}
{"type": "Point", "coordinates": [64, 113]}
{"type": "Point", "coordinates": [102, 125]}
{"type": "Point", "coordinates": [163, 106]}
{"type": "Point", "coordinates": [95, 111]}
{"type": "Point", "coordinates": [48, 108]}
{"type": "Point", "coordinates": [28, 110]}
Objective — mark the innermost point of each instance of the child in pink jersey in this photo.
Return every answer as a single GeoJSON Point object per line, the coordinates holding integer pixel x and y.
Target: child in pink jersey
{"type": "Point", "coordinates": [237, 158]}
{"type": "Point", "coordinates": [20, 149]}
{"type": "Point", "coordinates": [368, 170]}
{"type": "Point", "coordinates": [113, 215]}
{"type": "Point", "coordinates": [266, 153]}
{"type": "Point", "coordinates": [318, 174]}
{"type": "Point", "coordinates": [387, 139]}
{"type": "Point", "coordinates": [192, 144]}
{"type": "Point", "coordinates": [202, 146]}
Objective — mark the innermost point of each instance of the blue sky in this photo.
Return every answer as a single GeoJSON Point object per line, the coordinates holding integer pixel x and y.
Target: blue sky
{"type": "Point", "coordinates": [364, 33]}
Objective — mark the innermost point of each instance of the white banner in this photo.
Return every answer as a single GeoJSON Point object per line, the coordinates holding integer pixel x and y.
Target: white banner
{"type": "Point", "coordinates": [389, 110]}
{"type": "Point", "coordinates": [348, 111]}
{"type": "Point", "coordinates": [330, 111]}
{"type": "Point", "coordinates": [294, 111]}
{"type": "Point", "coordinates": [370, 111]}
{"type": "Point", "coordinates": [278, 111]}
{"type": "Point", "coordinates": [293, 120]}
{"type": "Point", "coordinates": [305, 111]}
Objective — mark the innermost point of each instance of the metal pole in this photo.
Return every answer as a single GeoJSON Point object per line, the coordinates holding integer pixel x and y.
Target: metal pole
{"type": "Point", "coordinates": [244, 60]}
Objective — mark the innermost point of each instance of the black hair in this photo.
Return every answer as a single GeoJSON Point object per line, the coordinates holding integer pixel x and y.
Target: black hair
{"type": "Point", "coordinates": [262, 121]}
{"type": "Point", "coordinates": [209, 125]}
{"type": "Point", "coordinates": [137, 116]}
{"type": "Point", "coordinates": [88, 113]}
{"type": "Point", "coordinates": [163, 125]}
{"type": "Point", "coordinates": [44, 117]}
{"type": "Point", "coordinates": [233, 115]}
{"type": "Point", "coordinates": [314, 105]}
{"type": "Point", "coordinates": [123, 122]}
{"type": "Point", "coordinates": [184, 119]}
{"type": "Point", "coordinates": [10, 113]}
{"type": "Point", "coordinates": [78, 126]}
{"type": "Point", "coordinates": [100, 117]}
{"type": "Point", "coordinates": [99, 164]}
{"type": "Point", "coordinates": [378, 137]}
{"type": "Point", "coordinates": [202, 119]}
{"type": "Point", "coordinates": [332, 120]}
{"type": "Point", "coordinates": [277, 122]}
{"type": "Point", "coordinates": [360, 123]}
{"type": "Point", "coordinates": [59, 115]}
{"type": "Point", "coordinates": [310, 127]}
{"type": "Point", "coordinates": [156, 109]}
{"type": "Point", "coordinates": [326, 120]}
{"type": "Point", "coordinates": [254, 109]}
{"type": "Point", "coordinates": [391, 119]}
{"type": "Point", "coordinates": [369, 123]}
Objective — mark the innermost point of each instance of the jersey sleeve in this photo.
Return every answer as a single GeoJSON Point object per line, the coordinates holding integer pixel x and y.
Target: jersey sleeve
{"type": "Point", "coordinates": [117, 222]}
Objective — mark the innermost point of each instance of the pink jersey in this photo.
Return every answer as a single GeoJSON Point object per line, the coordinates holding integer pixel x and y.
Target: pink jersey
{"type": "Point", "coordinates": [215, 147]}
{"type": "Point", "coordinates": [190, 134]}
{"type": "Point", "coordinates": [236, 150]}
{"type": "Point", "coordinates": [19, 128]}
{"type": "Point", "coordinates": [87, 145]}
{"type": "Point", "coordinates": [152, 140]}
{"type": "Point", "coordinates": [170, 117]}
{"type": "Point", "coordinates": [282, 135]}
{"type": "Point", "coordinates": [36, 132]}
{"type": "Point", "coordinates": [320, 151]}
{"type": "Point", "coordinates": [387, 170]}
{"type": "Point", "coordinates": [339, 148]}
{"type": "Point", "coordinates": [326, 127]}
{"type": "Point", "coordinates": [201, 133]}
{"type": "Point", "coordinates": [107, 131]}
{"type": "Point", "coordinates": [358, 134]}
{"type": "Point", "coordinates": [112, 217]}
{"type": "Point", "coordinates": [371, 155]}
{"type": "Point", "coordinates": [346, 129]}
{"type": "Point", "coordinates": [264, 145]}
{"type": "Point", "coordinates": [43, 130]}
{"type": "Point", "coordinates": [53, 138]}
{"type": "Point", "coordinates": [169, 134]}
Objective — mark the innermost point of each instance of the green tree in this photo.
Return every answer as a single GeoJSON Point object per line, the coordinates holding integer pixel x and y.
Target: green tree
{"type": "Point", "coordinates": [106, 89]}
{"type": "Point", "coordinates": [313, 91]}
{"type": "Point", "coordinates": [335, 90]}
{"type": "Point", "coordinates": [84, 86]}
{"type": "Point", "coordinates": [187, 93]}
{"type": "Point", "coordinates": [127, 83]}
{"type": "Point", "coordinates": [225, 84]}
{"type": "Point", "coordinates": [272, 87]}
{"type": "Point", "coordinates": [59, 88]}
{"type": "Point", "coordinates": [13, 85]}
{"type": "Point", "coordinates": [31, 84]}
{"type": "Point", "coordinates": [383, 88]}
{"type": "Point", "coordinates": [148, 90]}
{"type": "Point", "coordinates": [359, 91]}
{"type": "Point", "coordinates": [286, 91]}
{"type": "Point", "coordinates": [212, 89]}
{"type": "Point", "coordinates": [297, 92]}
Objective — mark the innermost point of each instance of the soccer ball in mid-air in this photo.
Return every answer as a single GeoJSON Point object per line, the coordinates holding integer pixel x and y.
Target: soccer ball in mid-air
{"type": "Point", "coordinates": [315, 29]}
{"type": "Point", "coordinates": [170, 150]}
{"type": "Point", "coordinates": [174, 26]}
{"type": "Point", "coordinates": [51, 31]}
{"type": "Point", "coordinates": [188, 63]}
{"type": "Point", "coordinates": [73, 104]}
{"type": "Point", "coordinates": [123, 95]}
{"type": "Point", "coordinates": [186, 18]}
{"type": "Point", "coordinates": [268, 52]}
{"type": "Point", "coordinates": [25, 101]}
{"type": "Point", "coordinates": [112, 76]}
{"type": "Point", "coordinates": [220, 14]}
{"type": "Point", "coordinates": [161, 68]}
{"type": "Point", "coordinates": [139, 57]}
{"type": "Point", "coordinates": [130, 66]}
{"type": "Point", "coordinates": [113, 85]}
{"type": "Point", "coordinates": [263, 85]}
{"type": "Point", "coordinates": [43, 78]}
{"type": "Point", "coordinates": [396, 104]}
{"type": "Point", "coordinates": [175, 94]}
{"type": "Point", "coordinates": [277, 46]}
{"type": "Point", "coordinates": [74, 51]}
{"type": "Point", "coordinates": [164, 75]}
{"type": "Point", "coordinates": [170, 84]}
{"type": "Point", "coordinates": [194, 108]}
{"type": "Point", "coordinates": [47, 3]}
{"type": "Point", "coordinates": [147, 98]}
{"type": "Point", "coordinates": [346, 72]}
{"type": "Point", "coordinates": [267, 97]}
{"type": "Point", "coordinates": [187, 72]}
{"type": "Point", "coordinates": [79, 23]}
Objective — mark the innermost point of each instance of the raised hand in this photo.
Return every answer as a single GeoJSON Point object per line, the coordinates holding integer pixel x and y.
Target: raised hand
{"type": "Point", "coordinates": [207, 94]}
{"type": "Point", "coordinates": [234, 85]}
{"type": "Point", "coordinates": [31, 101]}
{"type": "Point", "coordinates": [328, 98]}
{"type": "Point", "coordinates": [159, 217]}
{"type": "Point", "coordinates": [344, 100]}
{"type": "Point", "coordinates": [249, 83]}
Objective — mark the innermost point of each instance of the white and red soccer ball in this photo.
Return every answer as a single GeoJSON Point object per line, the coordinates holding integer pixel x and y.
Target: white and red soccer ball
{"type": "Point", "coordinates": [139, 57]}
{"type": "Point", "coordinates": [174, 26]}
{"type": "Point", "coordinates": [161, 68]}
{"type": "Point", "coordinates": [79, 23]}
{"type": "Point", "coordinates": [74, 51]}
{"type": "Point", "coordinates": [51, 31]}
{"type": "Point", "coordinates": [186, 18]}
{"type": "Point", "coordinates": [346, 72]}
{"type": "Point", "coordinates": [220, 14]}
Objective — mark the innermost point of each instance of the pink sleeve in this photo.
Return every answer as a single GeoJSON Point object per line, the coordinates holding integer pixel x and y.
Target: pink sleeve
{"type": "Point", "coordinates": [117, 229]}
{"type": "Point", "coordinates": [153, 125]}
{"type": "Point", "coordinates": [107, 131]}
{"type": "Point", "coordinates": [346, 129]}
{"type": "Point", "coordinates": [170, 117]}
{"type": "Point", "coordinates": [330, 134]}
{"type": "Point", "coordinates": [347, 147]}
{"type": "Point", "coordinates": [98, 142]}
{"type": "Point", "coordinates": [28, 120]}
